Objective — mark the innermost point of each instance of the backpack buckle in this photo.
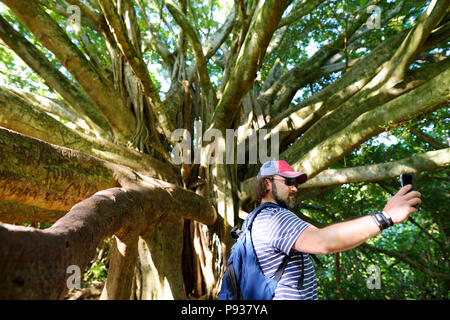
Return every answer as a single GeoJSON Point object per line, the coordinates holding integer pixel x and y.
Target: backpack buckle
{"type": "Point", "coordinates": [235, 232]}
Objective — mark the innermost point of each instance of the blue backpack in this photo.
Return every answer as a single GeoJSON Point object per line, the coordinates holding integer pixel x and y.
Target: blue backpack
{"type": "Point", "coordinates": [243, 278]}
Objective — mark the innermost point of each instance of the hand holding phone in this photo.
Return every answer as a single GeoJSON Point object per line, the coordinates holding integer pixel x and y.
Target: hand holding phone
{"type": "Point", "coordinates": [401, 205]}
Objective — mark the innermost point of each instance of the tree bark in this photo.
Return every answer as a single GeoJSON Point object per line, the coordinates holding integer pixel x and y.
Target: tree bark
{"type": "Point", "coordinates": [32, 256]}
{"type": "Point", "coordinates": [382, 171]}
{"type": "Point", "coordinates": [97, 88]}
{"type": "Point", "coordinates": [426, 98]}
{"type": "Point", "coordinates": [137, 206]}
{"type": "Point", "coordinates": [75, 97]}
{"type": "Point", "coordinates": [18, 114]}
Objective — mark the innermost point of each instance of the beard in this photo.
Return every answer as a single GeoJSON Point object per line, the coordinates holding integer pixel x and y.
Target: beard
{"type": "Point", "coordinates": [287, 204]}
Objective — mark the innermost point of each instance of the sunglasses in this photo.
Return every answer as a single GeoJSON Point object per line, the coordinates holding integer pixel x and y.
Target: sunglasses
{"type": "Point", "coordinates": [288, 182]}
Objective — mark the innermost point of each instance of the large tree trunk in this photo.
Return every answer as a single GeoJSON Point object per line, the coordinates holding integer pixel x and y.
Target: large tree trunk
{"type": "Point", "coordinates": [139, 205]}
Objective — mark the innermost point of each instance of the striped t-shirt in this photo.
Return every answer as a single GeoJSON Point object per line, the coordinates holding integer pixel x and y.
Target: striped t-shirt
{"type": "Point", "coordinates": [275, 231]}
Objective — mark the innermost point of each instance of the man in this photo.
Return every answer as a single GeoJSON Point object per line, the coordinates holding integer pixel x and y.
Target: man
{"type": "Point", "coordinates": [277, 232]}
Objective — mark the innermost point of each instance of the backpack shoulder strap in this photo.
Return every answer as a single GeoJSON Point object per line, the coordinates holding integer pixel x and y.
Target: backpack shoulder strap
{"type": "Point", "coordinates": [248, 223]}
{"type": "Point", "coordinates": [280, 270]}
{"type": "Point", "coordinates": [251, 217]}
{"type": "Point", "coordinates": [319, 264]}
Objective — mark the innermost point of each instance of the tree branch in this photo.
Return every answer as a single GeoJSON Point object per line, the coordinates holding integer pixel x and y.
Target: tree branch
{"type": "Point", "coordinates": [413, 44]}
{"type": "Point", "coordinates": [367, 98]}
{"type": "Point", "coordinates": [208, 96]}
{"type": "Point", "coordinates": [138, 66]}
{"type": "Point", "coordinates": [56, 178]}
{"type": "Point", "coordinates": [382, 171]}
{"type": "Point", "coordinates": [17, 114]}
{"type": "Point", "coordinates": [46, 176]}
{"type": "Point", "coordinates": [47, 31]}
{"type": "Point", "coordinates": [37, 61]}
{"type": "Point", "coordinates": [428, 139]}
{"type": "Point", "coordinates": [250, 58]}
{"type": "Point", "coordinates": [408, 261]}
{"type": "Point", "coordinates": [426, 98]}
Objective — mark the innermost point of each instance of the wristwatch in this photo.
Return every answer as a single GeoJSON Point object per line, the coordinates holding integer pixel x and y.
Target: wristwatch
{"type": "Point", "coordinates": [388, 218]}
{"type": "Point", "coordinates": [382, 219]}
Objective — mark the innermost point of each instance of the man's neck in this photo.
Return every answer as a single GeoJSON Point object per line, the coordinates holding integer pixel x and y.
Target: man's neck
{"type": "Point", "coordinates": [268, 200]}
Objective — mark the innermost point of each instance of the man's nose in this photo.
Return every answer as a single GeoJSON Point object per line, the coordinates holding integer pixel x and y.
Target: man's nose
{"type": "Point", "coordinates": [293, 188]}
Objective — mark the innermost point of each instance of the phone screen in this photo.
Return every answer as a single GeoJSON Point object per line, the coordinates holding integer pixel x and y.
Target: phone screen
{"type": "Point", "coordinates": [406, 179]}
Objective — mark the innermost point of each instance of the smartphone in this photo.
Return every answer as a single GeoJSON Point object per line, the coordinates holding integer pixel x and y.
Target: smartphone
{"type": "Point", "coordinates": [408, 178]}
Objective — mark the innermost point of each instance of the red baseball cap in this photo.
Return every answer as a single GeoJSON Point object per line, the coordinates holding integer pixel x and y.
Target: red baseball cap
{"type": "Point", "coordinates": [281, 168]}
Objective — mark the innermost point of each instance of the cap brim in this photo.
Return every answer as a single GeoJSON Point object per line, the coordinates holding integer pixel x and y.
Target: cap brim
{"type": "Point", "coordinates": [299, 177]}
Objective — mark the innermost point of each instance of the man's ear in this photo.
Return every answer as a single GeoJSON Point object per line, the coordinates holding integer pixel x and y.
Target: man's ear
{"type": "Point", "coordinates": [268, 184]}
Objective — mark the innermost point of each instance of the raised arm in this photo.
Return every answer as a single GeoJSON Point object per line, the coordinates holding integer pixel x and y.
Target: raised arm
{"type": "Point", "coordinates": [349, 234]}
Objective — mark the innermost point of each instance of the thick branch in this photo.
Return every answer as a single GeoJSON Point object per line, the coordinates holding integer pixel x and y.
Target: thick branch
{"type": "Point", "coordinates": [15, 212]}
{"type": "Point", "coordinates": [137, 64]}
{"type": "Point", "coordinates": [248, 62]}
{"type": "Point", "coordinates": [56, 178]}
{"type": "Point", "coordinates": [200, 59]}
{"type": "Point", "coordinates": [55, 107]}
{"type": "Point", "coordinates": [17, 114]}
{"type": "Point", "coordinates": [364, 100]}
{"type": "Point", "coordinates": [382, 171]}
{"type": "Point", "coordinates": [47, 31]}
{"type": "Point", "coordinates": [37, 61]}
{"type": "Point", "coordinates": [301, 9]}
{"type": "Point", "coordinates": [412, 46]}
{"type": "Point", "coordinates": [426, 98]}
